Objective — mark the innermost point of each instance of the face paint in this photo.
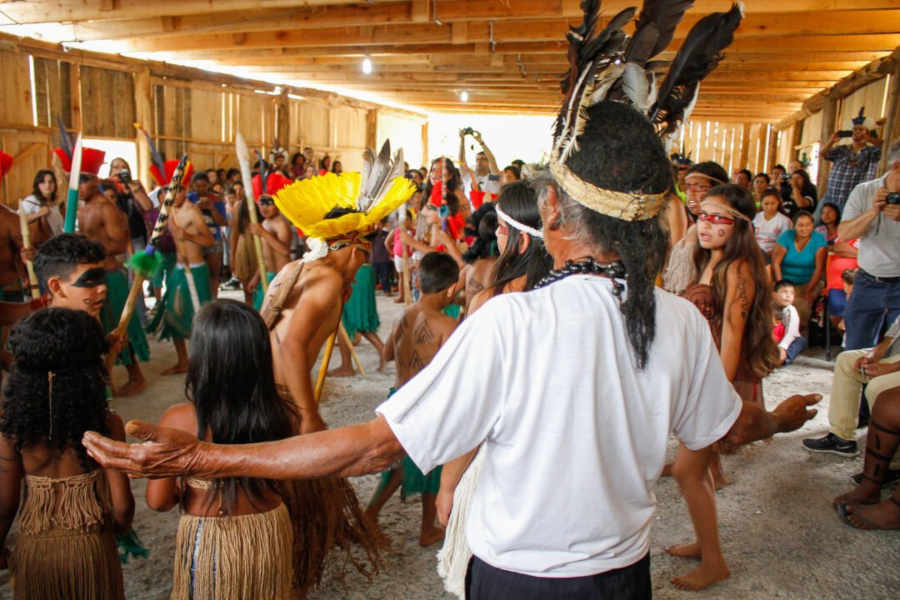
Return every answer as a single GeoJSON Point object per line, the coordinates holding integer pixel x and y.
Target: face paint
{"type": "Point", "coordinates": [91, 278]}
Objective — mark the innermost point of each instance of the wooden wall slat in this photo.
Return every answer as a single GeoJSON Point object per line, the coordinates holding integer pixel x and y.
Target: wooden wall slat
{"type": "Point", "coordinates": [15, 110]}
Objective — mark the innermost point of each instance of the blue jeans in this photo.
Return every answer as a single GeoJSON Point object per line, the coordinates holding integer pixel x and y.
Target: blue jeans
{"type": "Point", "coordinates": [795, 348]}
{"type": "Point", "coordinates": [872, 305]}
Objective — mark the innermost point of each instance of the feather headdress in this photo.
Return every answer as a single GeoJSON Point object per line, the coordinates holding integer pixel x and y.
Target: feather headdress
{"type": "Point", "coordinates": [332, 206]}
{"type": "Point", "coordinates": [607, 65]}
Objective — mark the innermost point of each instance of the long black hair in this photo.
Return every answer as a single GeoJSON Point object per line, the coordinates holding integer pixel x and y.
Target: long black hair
{"type": "Point", "coordinates": [519, 200]}
{"type": "Point", "coordinates": [482, 224]}
{"type": "Point", "coordinates": [56, 389]}
{"type": "Point", "coordinates": [36, 186]}
{"type": "Point", "coordinates": [232, 386]}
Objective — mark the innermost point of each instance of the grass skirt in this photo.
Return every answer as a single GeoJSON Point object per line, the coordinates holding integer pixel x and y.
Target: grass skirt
{"type": "Point", "coordinates": [232, 558]}
{"type": "Point", "coordinates": [360, 313]}
{"type": "Point", "coordinates": [453, 559]}
{"type": "Point", "coordinates": [176, 315]}
{"type": "Point", "coordinates": [66, 547]}
{"type": "Point", "coordinates": [117, 288]}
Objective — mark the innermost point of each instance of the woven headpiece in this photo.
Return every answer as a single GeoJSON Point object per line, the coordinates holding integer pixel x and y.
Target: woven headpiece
{"type": "Point", "coordinates": [331, 206]}
{"type": "Point", "coordinates": [607, 65]}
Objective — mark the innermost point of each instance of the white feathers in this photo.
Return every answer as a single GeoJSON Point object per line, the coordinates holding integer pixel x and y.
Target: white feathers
{"type": "Point", "coordinates": [378, 174]}
{"type": "Point", "coordinates": [636, 87]}
{"type": "Point", "coordinates": [605, 80]}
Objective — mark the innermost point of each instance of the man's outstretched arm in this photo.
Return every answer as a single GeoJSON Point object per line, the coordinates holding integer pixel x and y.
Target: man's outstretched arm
{"type": "Point", "coordinates": [755, 423]}
{"type": "Point", "coordinates": [353, 450]}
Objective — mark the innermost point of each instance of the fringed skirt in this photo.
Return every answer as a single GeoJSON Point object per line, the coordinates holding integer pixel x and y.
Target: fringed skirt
{"type": "Point", "coordinates": [453, 558]}
{"type": "Point", "coordinates": [233, 558]}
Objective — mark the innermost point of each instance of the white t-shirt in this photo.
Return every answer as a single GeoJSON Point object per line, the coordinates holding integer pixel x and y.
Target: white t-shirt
{"type": "Point", "coordinates": [489, 183]}
{"type": "Point", "coordinates": [31, 205]}
{"type": "Point", "coordinates": [879, 246]}
{"type": "Point", "coordinates": [574, 434]}
{"type": "Point", "coordinates": [767, 231]}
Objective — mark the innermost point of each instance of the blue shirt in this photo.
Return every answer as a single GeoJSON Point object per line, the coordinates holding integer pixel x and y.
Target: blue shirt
{"type": "Point", "coordinates": [798, 267]}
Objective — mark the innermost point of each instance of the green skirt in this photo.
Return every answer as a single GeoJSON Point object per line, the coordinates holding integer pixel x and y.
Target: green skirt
{"type": "Point", "coordinates": [117, 288]}
{"type": "Point", "coordinates": [168, 263]}
{"type": "Point", "coordinates": [414, 481]}
{"type": "Point", "coordinates": [176, 315]}
{"type": "Point", "coordinates": [360, 313]}
{"type": "Point", "coordinates": [258, 294]}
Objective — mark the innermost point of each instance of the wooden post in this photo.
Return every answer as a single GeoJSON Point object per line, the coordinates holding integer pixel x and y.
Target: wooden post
{"type": "Point", "coordinates": [372, 128]}
{"type": "Point", "coordinates": [75, 96]}
{"type": "Point", "coordinates": [283, 121]}
{"type": "Point", "coordinates": [143, 110]}
{"type": "Point", "coordinates": [891, 130]}
{"type": "Point", "coordinates": [745, 146]}
{"type": "Point", "coordinates": [425, 143]}
{"type": "Point", "coordinates": [829, 116]}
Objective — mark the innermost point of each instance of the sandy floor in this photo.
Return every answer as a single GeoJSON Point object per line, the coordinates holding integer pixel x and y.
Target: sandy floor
{"type": "Point", "coordinates": [781, 537]}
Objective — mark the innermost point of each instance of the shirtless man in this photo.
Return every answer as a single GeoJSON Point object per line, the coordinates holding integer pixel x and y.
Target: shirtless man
{"type": "Point", "coordinates": [416, 338]}
{"type": "Point", "coordinates": [275, 232]}
{"type": "Point", "coordinates": [188, 284]}
{"type": "Point", "coordinates": [101, 221]}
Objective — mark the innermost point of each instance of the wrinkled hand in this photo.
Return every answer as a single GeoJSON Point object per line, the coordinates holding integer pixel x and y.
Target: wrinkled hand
{"type": "Point", "coordinates": [311, 422]}
{"type": "Point", "coordinates": [877, 369]}
{"type": "Point", "coordinates": [444, 504]}
{"type": "Point", "coordinates": [792, 413]}
{"type": "Point", "coordinates": [163, 452]}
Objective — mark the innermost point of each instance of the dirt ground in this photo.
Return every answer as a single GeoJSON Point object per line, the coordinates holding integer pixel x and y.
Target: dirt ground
{"type": "Point", "coordinates": [780, 536]}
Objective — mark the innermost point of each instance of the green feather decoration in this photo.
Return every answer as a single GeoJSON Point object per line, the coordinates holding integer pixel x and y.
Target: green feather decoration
{"type": "Point", "coordinates": [146, 264]}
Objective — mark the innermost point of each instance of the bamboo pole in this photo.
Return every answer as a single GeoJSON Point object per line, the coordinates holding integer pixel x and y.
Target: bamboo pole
{"type": "Point", "coordinates": [323, 368]}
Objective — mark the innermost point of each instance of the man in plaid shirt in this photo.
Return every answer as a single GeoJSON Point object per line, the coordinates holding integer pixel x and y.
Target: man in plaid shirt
{"type": "Point", "coordinates": [852, 163]}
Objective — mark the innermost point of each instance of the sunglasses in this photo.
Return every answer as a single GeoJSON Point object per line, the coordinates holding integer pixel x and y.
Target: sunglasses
{"type": "Point", "coordinates": [715, 219]}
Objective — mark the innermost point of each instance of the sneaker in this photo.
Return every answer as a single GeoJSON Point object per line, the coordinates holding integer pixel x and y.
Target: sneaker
{"type": "Point", "coordinates": [893, 476]}
{"type": "Point", "coordinates": [833, 444]}
{"type": "Point", "coordinates": [232, 284]}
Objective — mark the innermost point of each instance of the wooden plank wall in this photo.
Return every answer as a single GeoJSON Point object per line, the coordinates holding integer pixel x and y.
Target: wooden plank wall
{"type": "Point", "coordinates": [732, 145]}
{"type": "Point", "coordinates": [195, 116]}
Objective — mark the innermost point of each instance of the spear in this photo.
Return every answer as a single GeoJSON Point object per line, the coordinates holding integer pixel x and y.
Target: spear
{"type": "Point", "coordinates": [72, 196]}
{"type": "Point", "coordinates": [243, 155]}
{"type": "Point", "coordinates": [147, 262]}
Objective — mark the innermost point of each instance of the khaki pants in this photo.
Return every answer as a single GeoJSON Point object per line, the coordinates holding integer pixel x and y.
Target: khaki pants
{"type": "Point", "coordinates": [843, 409]}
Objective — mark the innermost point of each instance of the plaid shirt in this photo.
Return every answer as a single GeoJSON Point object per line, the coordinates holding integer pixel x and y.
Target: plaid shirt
{"type": "Point", "coordinates": [849, 170]}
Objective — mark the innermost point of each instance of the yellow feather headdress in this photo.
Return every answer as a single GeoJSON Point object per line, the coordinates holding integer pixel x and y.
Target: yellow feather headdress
{"type": "Point", "coordinates": [368, 197]}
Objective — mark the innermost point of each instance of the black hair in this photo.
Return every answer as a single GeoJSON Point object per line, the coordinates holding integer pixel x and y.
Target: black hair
{"type": "Point", "coordinates": [296, 155]}
{"type": "Point", "coordinates": [780, 166]}
{"type": "Point", "coordinates": [620, 151]}
{"type": "Point", "coordinates": [322, 162]}
{"type": "Point", "coordinates": [39, 179]}
{"type": "Point", "coordinates": [782, 283]}
{"type": "Point", "coordinates": [454, 182]}
{"type": "Point", "coordinates": [836, 208]}
{"type": "Point", "coordinates": [335, 164]}
{"type": "Point", "coordinates": [220, 175]}
{"type": "Point", "coordinates": [519, 200]}
{"type": "Point", "coordinates": [771, 191]}
{"type": "Point", "coordinates": [86, 177]}
{"type": "Point", "coordinates": [200, 176]}
{"type": "Point", "coordinates": [518, 162]}
{"type": "Point", "coordinates": [482, 224]}
{"type": "Point", "coordinates": [748, 173]}
{"type": "Point", "coordinates": [55, 410]}
{"type": "Point", "coordinates": [802, 213]}
{"type": "Point", "coordinates": [711, 170]}
{"type": "Point", "coordinates": [515, 171]}
{"type": "Point", "coordinates": [808, 188]}
{"type": "Point", "coordinates": [437, 272]}
{"type": "Point", "coordinates": [764, 176]}
{"type": "Point", "coordinates": [60, 255]}
{"type": "Point", "coordinates": [232, 172]}
{"type": "Point", "coordinates": [244, 217]}
{"type": "Point", "coordinates": [232, 387]}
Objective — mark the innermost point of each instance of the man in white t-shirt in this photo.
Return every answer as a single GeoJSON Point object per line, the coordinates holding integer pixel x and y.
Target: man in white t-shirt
{"type": "Point", "coordinates": [487, 172]}
{"type": "Point", "coordinates": [573, 390]}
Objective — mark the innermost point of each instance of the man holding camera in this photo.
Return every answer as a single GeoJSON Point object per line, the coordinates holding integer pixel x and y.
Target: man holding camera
{"type": "Point", "coordinates": [852, 163]}
{"type": "Point", "coordinates": [487, 172]}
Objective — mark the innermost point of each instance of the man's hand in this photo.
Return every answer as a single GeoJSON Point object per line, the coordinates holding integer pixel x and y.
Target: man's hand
{"type": "Point", "coordinates": [257, 229]}
{"type": "Point", "coordinates": [311, 422]}
{"type": "Point", "coordinates": [877, 369]}
{"type": "Point", "coordinates": [879, 200]}
{"type": "Point", "coordinates": [444, 504]}
{"type": "Point", "coordinates": [28, 254]}
{"type": "Point", "coordinates": [755, 423]}
{"type": "Point", "coordinates": [892, 211]}
{"type": "Point", "coordinates": [477, 136]}
{"type": "Point", "coordinates": [834, 138]}
{"type": "Point", "coordinates": [792, 413]}
{"type": "Point", "coordinates": [164, 452]}
{"type": "Point", "coordinates": [116, 340]}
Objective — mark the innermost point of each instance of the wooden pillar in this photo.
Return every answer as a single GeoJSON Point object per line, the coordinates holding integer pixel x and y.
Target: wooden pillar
{"type": "Point", "coordinates": [372, 129]}
{"type": "Point", "coordinates": [143, 110]}
{"type": "Point", "coordinates": [282, 121]}
{"type": "Point", "coordinates": [745, 146]}
{"type": "Point", "coordinates": [425, 153]}
{"type": "Point", "coordinates": [891, 131]}
{"type": "Point", "coordinates": [829, 116]}
{"type": "Point", "coordinates": [76, 121]}
{"type": "Point", "coordinates": [796, 138]}
{"type": "Point", "coordinates": [773, 150]}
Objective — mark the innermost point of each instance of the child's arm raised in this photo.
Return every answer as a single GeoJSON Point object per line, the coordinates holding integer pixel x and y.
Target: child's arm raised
{"type": "Point", "coordinates": [119, 486]}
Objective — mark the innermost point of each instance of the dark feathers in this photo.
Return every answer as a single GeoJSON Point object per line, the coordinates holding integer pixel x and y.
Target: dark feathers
{"type": "Point", "coordinates": [698, 56]}
{"type": "Point", "coordinates": [655, 27]}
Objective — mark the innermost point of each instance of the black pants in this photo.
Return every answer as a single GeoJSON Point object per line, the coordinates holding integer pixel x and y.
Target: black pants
{"type": "Point", "coordinates": [383, 273]}
{"type": "Point", "coordinates": [484, 582]}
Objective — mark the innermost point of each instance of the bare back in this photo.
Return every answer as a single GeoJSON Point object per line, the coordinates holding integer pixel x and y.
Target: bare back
{"type": "Point", "coordinates": [416, 338]}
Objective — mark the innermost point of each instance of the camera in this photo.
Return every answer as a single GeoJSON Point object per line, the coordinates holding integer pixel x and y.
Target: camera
{"type": "Point", "coordinates": [892, 198]}
{"type": "Point", "coordinates": [844, 133]}
{"type": "Point", "coordinates": [468, 131]}
{"type": "Point", "coordinates": [125, 176]}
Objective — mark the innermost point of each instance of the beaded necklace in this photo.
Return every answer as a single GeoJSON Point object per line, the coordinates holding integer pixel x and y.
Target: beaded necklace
{"type": "Point", "coordinates": [588, 266]}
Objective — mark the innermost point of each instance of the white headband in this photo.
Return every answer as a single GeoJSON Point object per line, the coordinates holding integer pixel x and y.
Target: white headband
{"type": "Point", "coordinates": [516, 225]}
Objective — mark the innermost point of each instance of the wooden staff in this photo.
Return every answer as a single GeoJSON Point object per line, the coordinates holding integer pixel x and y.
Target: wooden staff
{"type": "Point", "coordinates": [346, 337]}
{"type": "Point", "coordinates": [243, 155]}
{"type": "Point", "coordinates": [74, 184]}
{"type": "Point", "coordinates": [323, 368]}
{"type": "Point", "coordinates": [34, 292]}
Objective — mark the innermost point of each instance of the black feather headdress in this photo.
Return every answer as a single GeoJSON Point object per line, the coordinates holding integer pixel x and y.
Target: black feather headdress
{"type": "Point", "coordinates": [605, 64]}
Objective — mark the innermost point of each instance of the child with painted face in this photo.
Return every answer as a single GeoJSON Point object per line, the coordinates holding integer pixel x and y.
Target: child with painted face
{"type": "Point", "coordinates": [70, 269]}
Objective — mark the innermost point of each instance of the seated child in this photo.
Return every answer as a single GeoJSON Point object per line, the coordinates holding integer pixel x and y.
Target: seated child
{"type": "Point", "coordinates": [416, 338]}
{"type": "Point", "coordinates": [787, 323]}
{"type": "Point", "coordinates": [769, 223]}
{"type": "Point", "coordinates": [71, 508]}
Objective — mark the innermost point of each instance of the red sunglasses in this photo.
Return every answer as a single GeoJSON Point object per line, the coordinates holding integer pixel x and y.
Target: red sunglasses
{"type": "Point", "coordinates": [715, 219]}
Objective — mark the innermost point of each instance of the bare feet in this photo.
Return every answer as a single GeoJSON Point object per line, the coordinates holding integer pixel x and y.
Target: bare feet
{"type": "Point", "coordinates": [342, 371]}
{"type": "Point", "coordinates": [884, 515]}
{"type": "Point", "coordinates": [718, 475]}
{"type": "Point", "coordinates": [179, 368]}
{"type": "Point", "coordinates": [685, 550]}
{"type": "Point", "coordinates": [131, 388]}
{"type": "Point", "coordinates": [865, 493]}
{"type": "Point", "coordinates": [371, 518]}
{"type": "Point", "coordinates": [702, 577]}
{"type": "Point", "coordinates": [431, 536]}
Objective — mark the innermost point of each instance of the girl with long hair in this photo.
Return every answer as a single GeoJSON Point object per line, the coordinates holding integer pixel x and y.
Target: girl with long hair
{"type": "Point", "coordinates": [42, 208]}
{"type": "Point", "coordinates": [71, 507]}
{"type": "Point", "coordinates": [234, 534]}
{"type": "Point", "coordinates": [803, 194]}
{"type": "Point", "coordinates": [523, 262]}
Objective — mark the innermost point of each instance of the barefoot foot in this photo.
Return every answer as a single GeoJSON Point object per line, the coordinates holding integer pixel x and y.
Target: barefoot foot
{"type": "Point", "coordinates": [179, 368]}
{"type": "Point", "coordinates": [431, 536]}
{"type": "Point", "coordinates": [884, 515]}
{"type": "Point", "coordinates": [865, 493]}
{"type": "Point", "coordinates": [341, 372]}
{"type": "Point", "coordinates": [131, 388]}
{"type": "Point", "coordinates": [702, 577]}
{"type": "Point", "coordinates": [685, 550]}
{"type": "Point", "coordinates": [718, 475]}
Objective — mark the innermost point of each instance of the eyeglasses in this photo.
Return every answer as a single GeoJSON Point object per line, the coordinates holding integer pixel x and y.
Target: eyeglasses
{"type": "Point", "coordinates": [715, 219]}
